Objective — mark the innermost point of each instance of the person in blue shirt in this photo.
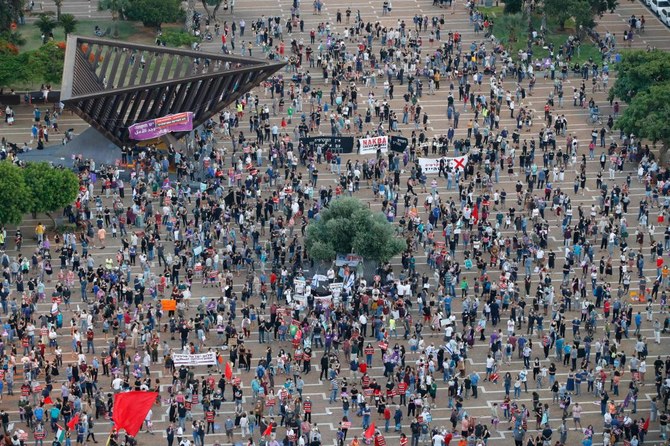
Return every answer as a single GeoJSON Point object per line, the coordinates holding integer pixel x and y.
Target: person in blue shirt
{"type": "Point", "coordinates": [447, 305]}
{"type": "Point", "coordinates": [638, 323]}
{"type": "Point", "coordinates": [567, 348]}
{"type": "Point", "coordinates": [559, 347]}
{"type": "Point", "coordinates": [474, 380]}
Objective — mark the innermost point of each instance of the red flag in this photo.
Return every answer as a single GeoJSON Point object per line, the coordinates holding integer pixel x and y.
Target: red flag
{"type": "Point", "coordinates": [229, 371]}
{"type": "Point", "coordinates": [267, 432]}
{"type": "Point", "coordinates": [130, 410]}
{"type": "Point", "coordinates": [48, 400]}
{"type": "Point", "coordinates": [645, 426]}
{"type": "Point", "coordinates": [73, 422]}
{"type": "Point", "coordinates": [370, 431]}
{"type": "Point", "coordinates": [475, 214]}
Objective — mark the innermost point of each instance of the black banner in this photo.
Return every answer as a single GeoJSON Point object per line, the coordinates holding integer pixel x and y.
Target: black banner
{"type": "Point", "coordinates": [399, 143]}
{"type": "Point", "coordinates": [341, 144]}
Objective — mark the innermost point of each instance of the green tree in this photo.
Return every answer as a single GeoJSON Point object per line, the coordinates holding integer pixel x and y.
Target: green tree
{"type": "Point", "coordinates": [46, 25]}
{"type": "Point", "coordinates": [117, 8]}
{"type": "Point", "coordinates": [647, 116]}
{"type": "Point", "coordinates": [349, 226]}
{"type": "Point", "coordinates": [643, 82]}
{"type": "Point", "coordinates": [177, 38]}
{"type": "Point", "coordinates": [14, 69]}
{"type": "Point", "coordinates": [564, 10]}
{"type": "Point", "coordinates": [69, 23]}
{"type": "Point", "coordinates": [13, 37]}
{"type": "Point", "coordinates": [513, 6]}
{"type": "Point", "coordinates": [516, 26]}
{"type": "Point", "coordinates": [211, 13]}
{"type": "Point", "coordinates": [51, 188]}
{"type": "Point", "coordinates": [638, 71]}
{"type": "Point", "coordinates": [15, 194]}
{"type": "Point", "coordinates": [600, 7]}
{"type": "Point", "coordinates": [11, 11]}
{"type": "Point", "coordinates": [583, 12]}
{"type": "Point", "coordinates": [46, 63]}
{"type": "Point", "coordinates": [154, 13]}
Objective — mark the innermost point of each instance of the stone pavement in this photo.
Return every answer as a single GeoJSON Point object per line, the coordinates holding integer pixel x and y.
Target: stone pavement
{"type": "Point", "coordinates": [326, 415]}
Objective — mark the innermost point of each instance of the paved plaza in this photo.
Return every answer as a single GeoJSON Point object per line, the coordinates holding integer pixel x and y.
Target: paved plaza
{"type": "Point", "coordinates": [578, 178]}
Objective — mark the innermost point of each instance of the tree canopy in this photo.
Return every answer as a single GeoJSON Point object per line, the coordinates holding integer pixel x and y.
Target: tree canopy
{"type": "Point", "coordinates": [69, 23]}
{"type": "Point", "coordinates": [211, 13]}
{"type": "Point", "coordinates": [14, 194]}
{"type": "Point", "coordinates": [46, 63]}
{"type": "Point", "coordinates": [51, 188]}
{"type": "Point", "coordinates": [14, 69]}
{"type": "Point", "coordinates": [155, 12]}
{"type": "Point", "coordinates": [117, 8]}
{"type": "Point", "coordinates": [647, 114]}
{"type": "Point", "coordinates": [643, 82]}
{"type": "Point", "coordinates": [582, 11]}
{"type": "Point", "coordinates": [10, 12]}
{"type": "Point", "coordinates": [46, 24]}
{"type": "Point", "coordinates": [36, 187]}
{"type": "Point", "coordinates": [349, 226]}
{"type": "Point", "coordinates": [638, 71]}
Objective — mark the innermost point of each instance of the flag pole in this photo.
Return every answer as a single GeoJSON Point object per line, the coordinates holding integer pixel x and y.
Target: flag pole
{"type": "Point", "coordinates": [109, 437]}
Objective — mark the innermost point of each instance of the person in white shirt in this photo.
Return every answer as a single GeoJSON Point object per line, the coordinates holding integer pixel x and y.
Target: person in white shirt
{"type": "Point", "coordinates": [117, 384]}
{"type": "Point", "coordinates": [148, 422]}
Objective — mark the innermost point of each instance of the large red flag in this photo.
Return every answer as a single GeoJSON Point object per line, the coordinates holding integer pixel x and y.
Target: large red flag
{"type": "Point", "coordinates": [268, 431]}
{"type": "Point", "coordinates": [645, 426]}
{"type": "Point", "coordinates": [229, 371]}
{"type": "Point", "coordinates": [370, 431]}
{"type": "Point", "coordinates": [73, 422]}
{"type": "Point", "coordinates": [130, 410]}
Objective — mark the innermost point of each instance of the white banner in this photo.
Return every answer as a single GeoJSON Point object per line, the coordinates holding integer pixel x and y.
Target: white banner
{"type": "Point", "coordinates": [432, 165]}
{"type": "Point", "coordinates": [371, 145]}
{"type": "Point", "coordinates": [180, 359]}
{"type": "Point", "coordinates": [429, 165]}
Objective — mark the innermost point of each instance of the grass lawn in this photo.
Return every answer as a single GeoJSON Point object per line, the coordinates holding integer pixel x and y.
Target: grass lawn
{"type": "Point", "coordinates": [513, 32]}
{"type": "Point", "coordinates": [131, 31]}
{"type": "Point", "coordinates": [492, 11]}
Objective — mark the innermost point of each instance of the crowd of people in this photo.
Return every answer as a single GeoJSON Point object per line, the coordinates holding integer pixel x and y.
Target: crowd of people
{"type": "Point", "coordinates": [497, 274]}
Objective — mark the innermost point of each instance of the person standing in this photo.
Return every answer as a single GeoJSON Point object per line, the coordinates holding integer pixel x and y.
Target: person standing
{"type": "Point", "coordinates": [169, 434]}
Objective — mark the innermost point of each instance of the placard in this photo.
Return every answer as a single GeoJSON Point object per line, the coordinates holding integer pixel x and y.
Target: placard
{"type": "Point", "coordinates": [343, 144]}
{"type": "Point", "coordinates": [180, 359]}
{"type": "Point", "coordinates": [335, 290]}
{"type": "Point", "coordinates": [168, 304]}
{"type": "Point", "coordinates": [432, 165]}
{"type": "Point", "coordinates": [299, 285]}
{"type": "Point", "coordinates": [399, 143]}
{"type": "Point", "coordinates": [373, 144]}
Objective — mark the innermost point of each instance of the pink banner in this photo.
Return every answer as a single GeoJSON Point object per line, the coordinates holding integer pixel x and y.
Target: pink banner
{"type": "Point", "coordinates": [179, 122]}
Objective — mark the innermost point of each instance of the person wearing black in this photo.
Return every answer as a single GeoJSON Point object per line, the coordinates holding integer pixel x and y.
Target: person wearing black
{"type": "Point", "coordinates": [324, 368]}
{"type": "Point", "coordinates": [90, 434]}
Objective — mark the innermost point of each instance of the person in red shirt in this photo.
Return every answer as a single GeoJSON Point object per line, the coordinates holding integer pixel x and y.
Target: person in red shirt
{"type": "Point", "coordinates": [387, 419]}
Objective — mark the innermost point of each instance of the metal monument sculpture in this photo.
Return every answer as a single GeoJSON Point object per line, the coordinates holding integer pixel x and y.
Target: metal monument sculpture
{"type": "Point", "coordinates": [113, 84]}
